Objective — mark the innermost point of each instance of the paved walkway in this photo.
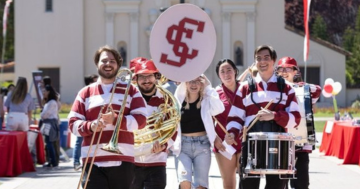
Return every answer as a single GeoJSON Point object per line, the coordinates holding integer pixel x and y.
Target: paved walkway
{"type": "Point", "coordinates": [325, 173]}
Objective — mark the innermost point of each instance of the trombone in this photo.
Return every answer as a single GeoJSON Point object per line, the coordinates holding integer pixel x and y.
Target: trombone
{"type": "Point", "coordinates": [123, 74]}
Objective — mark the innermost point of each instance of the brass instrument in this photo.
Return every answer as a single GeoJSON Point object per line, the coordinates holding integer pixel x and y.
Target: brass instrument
{"type": "Point", "coordinates": [160, 125]}
{"type": "Point", "coordinates": [112, 146]}
{"type": "Point", "coordinates": [122, 74]}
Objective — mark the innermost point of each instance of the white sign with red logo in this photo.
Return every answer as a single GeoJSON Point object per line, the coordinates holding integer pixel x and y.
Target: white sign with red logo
{"type": "Point", "coordinates": [183, 42]}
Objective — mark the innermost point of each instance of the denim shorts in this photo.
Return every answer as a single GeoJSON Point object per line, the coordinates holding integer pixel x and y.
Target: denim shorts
{"type": "Point", "coordinates": [194, 160]}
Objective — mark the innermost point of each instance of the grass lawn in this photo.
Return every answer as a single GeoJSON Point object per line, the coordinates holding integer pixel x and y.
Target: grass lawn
{"type": "Point", "coordinates": [62, 115]}
{"type": "Point", "coordinates": [319, 126]}
{"type": "Point", "coordinates": [325, 114]}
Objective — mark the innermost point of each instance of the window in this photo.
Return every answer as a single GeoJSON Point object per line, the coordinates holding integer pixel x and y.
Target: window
{"type": "Point", "coordinates": [312, 75]}
{"type": "Point", "coordinates": [121, 47]}
{"type": "Point", "coordinates": [238, 54]}
{"type": "Point", "coordinates": [48, 6]}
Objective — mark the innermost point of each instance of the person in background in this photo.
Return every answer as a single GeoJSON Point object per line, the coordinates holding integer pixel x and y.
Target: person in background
{"type": "Point", "coordinates": [288, 69]}
{"type": "Point", "coordinates": [110, 171]}
{"type": "Point", "coordinates": [3, 94]}
{"type": "Point", "coordinates": [250, 100]}
{"type": "Point", "coordinates": [150, 169]}
{"type": "Point", "coordinates": [196, 133]}
{"type": "Point", "coordinates": [49, 116]}
{"type": "Point", "coordinates": [10, 87]}
{"type": "Point", "coordinates": [77, 149]}
{"type": "Point", "coordinates": [46, 80]}
{"type": "Point", "coordinates": [170, 85]}
{"type": "Point", "coordinates": [19, 107]}
{"type": "Point", "coordinates": [227, 72]}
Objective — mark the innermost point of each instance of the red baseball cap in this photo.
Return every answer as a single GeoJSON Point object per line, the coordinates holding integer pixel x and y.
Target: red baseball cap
{"type": "Point", "coordinates": [146, 67]}
{"type": "Point", "coordinates": [136, 61]}
{"type": "Point", "coordinates": [287, 62]}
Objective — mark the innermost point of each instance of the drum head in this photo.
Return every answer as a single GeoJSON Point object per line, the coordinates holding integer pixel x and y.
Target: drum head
{"type": "Point", "coordinates": [183, 42]}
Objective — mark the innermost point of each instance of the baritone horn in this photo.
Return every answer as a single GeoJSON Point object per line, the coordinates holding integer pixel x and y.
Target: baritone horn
{"type": "Point", "coordinates": [161, 125]}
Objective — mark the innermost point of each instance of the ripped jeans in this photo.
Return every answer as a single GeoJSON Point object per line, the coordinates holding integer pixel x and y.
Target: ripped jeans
{"type": "Point", "coordinates": [194, 160]}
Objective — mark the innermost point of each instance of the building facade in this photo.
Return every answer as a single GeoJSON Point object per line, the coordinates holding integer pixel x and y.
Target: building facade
{"type": "Point", "coordinates": [60, 37]}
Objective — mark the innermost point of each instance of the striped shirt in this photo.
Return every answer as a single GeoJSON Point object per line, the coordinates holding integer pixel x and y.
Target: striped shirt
{"type": "Point", "coordinates": [243, 112]}
{"type": "Point", "coordinates": [155, 159]}
{"type": "Point", "coordinates": [85, 110]}
{"type": "Point", "coordinates": [227, 97]}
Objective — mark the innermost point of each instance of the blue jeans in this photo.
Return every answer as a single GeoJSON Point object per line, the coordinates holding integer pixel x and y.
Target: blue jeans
{"type": "Point", "coordinates": [77, 150]}
{"type": "Point", "coordinates": [194, 160]}
{"type": "Point", "coordinates": [51, 150]}
{"type": "Point", "coordinates": [1, 123]}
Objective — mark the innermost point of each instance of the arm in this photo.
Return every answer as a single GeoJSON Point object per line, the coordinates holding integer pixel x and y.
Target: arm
{"type": "Point", "coordinates": [290, 117]}
{"type": "Point", "coordinates": [315, 91]}
{"type": "Point", "coordinates": [29, 115]}
{"type": "Point", "coordinates": [78, 123]}
{"type": "Point", "coordinates": [215, 104]}
{"type": "Point", "coordinates": [236, 117]}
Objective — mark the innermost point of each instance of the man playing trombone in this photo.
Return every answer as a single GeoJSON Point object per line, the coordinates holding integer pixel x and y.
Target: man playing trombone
{"type": "Point", "coordinates": [150, 169]}
{"type": "Point", "coordinates": [86, 119]}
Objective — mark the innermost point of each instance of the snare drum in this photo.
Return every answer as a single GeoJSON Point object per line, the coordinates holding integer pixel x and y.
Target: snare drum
{"type": "Point", "coordinates": [270, 153]}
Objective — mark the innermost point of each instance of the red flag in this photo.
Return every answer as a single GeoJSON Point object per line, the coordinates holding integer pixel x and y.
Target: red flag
{"type": "Point", "coordinates": [6, 13]}
{"type": "Point", "coordinates": [306, 26]}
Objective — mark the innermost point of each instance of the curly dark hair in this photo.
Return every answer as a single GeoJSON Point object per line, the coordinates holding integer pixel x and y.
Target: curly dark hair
{"type": "Point", "coordinates": [113, 51]}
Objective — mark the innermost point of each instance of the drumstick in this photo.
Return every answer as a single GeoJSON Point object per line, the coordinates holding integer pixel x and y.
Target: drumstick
{"type": "Point", "coordinates": [253, 123]}
{"type": "Point", "coordinates": [223, 128]}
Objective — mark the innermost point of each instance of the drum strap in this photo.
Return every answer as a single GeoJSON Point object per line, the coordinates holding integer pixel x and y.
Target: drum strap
{"type": "Point", "coordinates": [252, 87]}
{"type": "Point", "coordinates": [267, 126]}
{"type": "Point", "coordinates": [309, 112]}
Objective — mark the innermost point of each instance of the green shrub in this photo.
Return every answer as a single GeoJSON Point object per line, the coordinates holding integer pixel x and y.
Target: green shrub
{"type": "Point", "coordinates": [330, 110]}
{"type": "Point", "coordinates": [356, 104]}
{"type": "Point", "coordinates": [65, 108]}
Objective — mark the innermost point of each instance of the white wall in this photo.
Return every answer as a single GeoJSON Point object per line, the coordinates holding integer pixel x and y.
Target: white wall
{"type": "Point", "coordinates": [68, 37]}
{"type": "Point", "coordinates": [50, 40]}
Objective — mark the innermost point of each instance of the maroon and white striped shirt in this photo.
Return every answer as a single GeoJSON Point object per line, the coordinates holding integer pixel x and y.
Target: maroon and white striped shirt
{"type": "Point", "coordinates": [85, 110]}
{"type": "Point", "coordinates": [244, 111]}
{"type": "Point", "coordinates": [155, 159]}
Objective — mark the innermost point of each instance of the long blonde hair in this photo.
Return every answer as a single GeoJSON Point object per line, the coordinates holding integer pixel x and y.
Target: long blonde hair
{"type": "Point", "coordinates": [19, 93]}
{"type": "Point", "coordinates": [201, 94]}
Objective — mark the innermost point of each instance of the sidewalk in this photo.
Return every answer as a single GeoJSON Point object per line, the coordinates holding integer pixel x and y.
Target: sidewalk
{"type": "Point", "coordinates": [325, 172]}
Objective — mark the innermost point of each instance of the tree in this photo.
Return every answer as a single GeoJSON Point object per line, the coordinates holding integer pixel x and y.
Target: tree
{"type": "Point", "coordinates": [353, 62]}
{"type": "Point", "coordinates": [348, 39]}
{"type": "Point", "coordinates": [319, 28]}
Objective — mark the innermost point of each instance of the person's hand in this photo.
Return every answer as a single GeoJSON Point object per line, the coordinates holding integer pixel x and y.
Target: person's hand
{"type": "Point", "coordinates": [108, 117]}
{"type": "Point", "coordinates": [230, 138]}
{"type": "Point", "coordinates": [265, 115]}
{"type": "Point", "coordinates": [204, 80]}
{"type": "Point", "coordinates": [157, 147]}
{"type": "Point", "coordinates": [218, 144]}
{"type": "Point", "coordinates": [100, 126]}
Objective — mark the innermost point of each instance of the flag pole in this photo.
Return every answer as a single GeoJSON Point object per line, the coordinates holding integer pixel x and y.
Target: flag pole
{"type": "Point", "coordinates": [306, 13]}
{"type": "Point", "coordinates": [5, 15]}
